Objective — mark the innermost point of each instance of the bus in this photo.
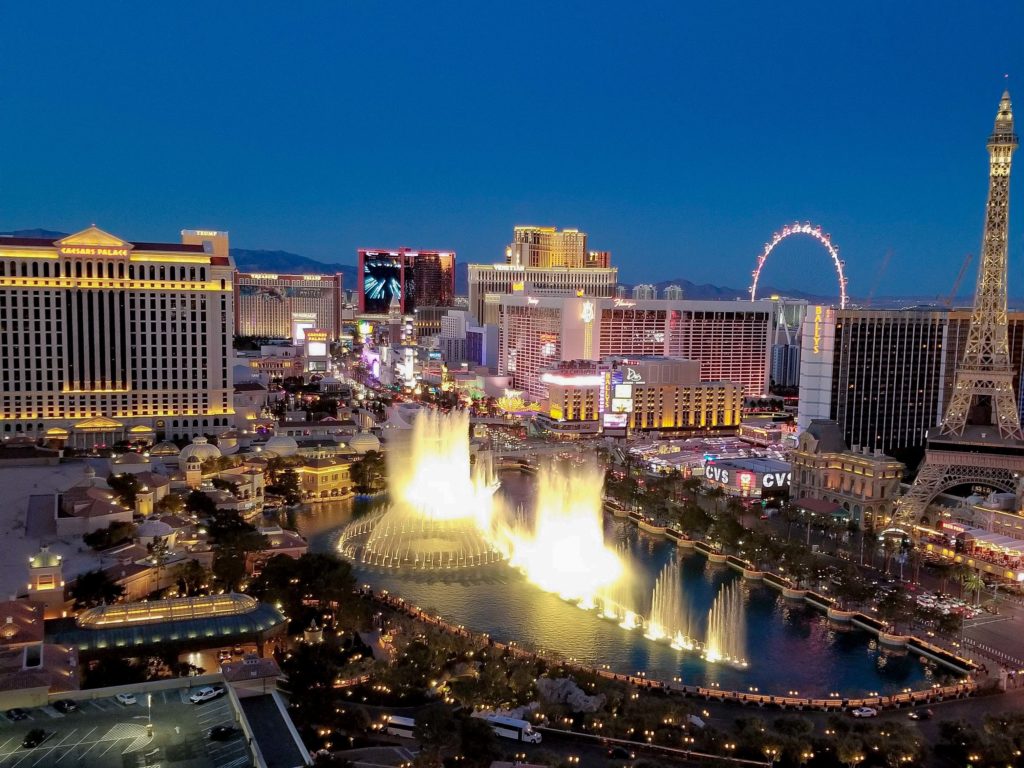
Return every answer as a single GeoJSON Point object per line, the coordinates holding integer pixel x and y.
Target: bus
{"type": "Point", "coordinates": [510, 728]}
{"type": "Point", "coordinates": [400, 726]}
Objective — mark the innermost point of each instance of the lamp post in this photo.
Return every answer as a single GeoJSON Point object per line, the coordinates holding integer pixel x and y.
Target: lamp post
{"type": "Point", "coordinates": [149, 715]}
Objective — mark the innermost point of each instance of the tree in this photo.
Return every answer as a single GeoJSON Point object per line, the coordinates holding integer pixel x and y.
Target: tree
{"type": "Point", "coordinates": [113, 534]}
{"type": "Point", "coordinates": [287, 485]}
{"type": "Point", "coordinates": [436, 732]}
{"type": "Point", "coordinates": [200, 505]}
{"type": "Point", "coordinates": [477, 742]}
{"type": "Point", "coordinates": [974, 583]}
{"type": "Point", "coordinates": [322, 577]}
{"type": "Point", "coordinates": [171, 504]}
{"type": "Point", "coordinates": [368, 473]}
{"type": "Point", "coordinates": [894, 607]}
{"type": "Point", "coordinates": [125, 486]}
{"type": "Point", "coordinates": [192, 577]}
{"type": "Point", "coordinates": [94, 588]}
{"type": "Point", "coordinates": [850, 752]}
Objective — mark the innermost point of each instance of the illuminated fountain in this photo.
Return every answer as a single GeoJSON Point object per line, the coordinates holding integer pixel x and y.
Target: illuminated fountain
{"type": "Point", "coordinates": [564, 552]}
{"type": "Point", "coordinates": [670, 615]}
{"type": "Point", "coordinates": [727, 627]}
{"type": "Point", "coordinates": [442, 503]}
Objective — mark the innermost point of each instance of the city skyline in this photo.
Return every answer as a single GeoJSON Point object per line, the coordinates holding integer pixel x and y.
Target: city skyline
{"type": "Point", "coordinates": [680, 139]}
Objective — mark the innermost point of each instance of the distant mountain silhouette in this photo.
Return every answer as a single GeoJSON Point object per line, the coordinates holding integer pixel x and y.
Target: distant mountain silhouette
{"type": "Point", "coordinates": [41, 233]}
{"type": "Point", "coordinates": [286, 262]}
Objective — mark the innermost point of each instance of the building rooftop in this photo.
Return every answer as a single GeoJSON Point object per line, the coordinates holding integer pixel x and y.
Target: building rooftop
{"type": "Point", "coordinates": [755, 464]}
{"type": "Point", "coordinates": [191, 618]}
{"type": "Point", "coordinates": [21, 621]}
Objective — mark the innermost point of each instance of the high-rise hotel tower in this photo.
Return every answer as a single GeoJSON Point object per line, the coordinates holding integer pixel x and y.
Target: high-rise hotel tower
{"type": "Point", "coordinates": [104, 340]}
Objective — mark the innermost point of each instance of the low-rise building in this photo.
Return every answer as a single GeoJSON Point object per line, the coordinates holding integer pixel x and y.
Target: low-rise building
{"type": "Point", "coordinates": [30, 668]}
{"type": "Point", "coordinates": [643, 394]}
{"type": "Point", "coordinates": [864, 483]}
{"type": "Point", "coordinates": [326, 476]}
{"type": "Point", "coordinates": [748, 477]}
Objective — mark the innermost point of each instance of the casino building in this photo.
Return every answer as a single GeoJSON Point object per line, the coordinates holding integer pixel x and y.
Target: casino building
{"type": "Point", "coordinates": [730, 340]}
{"type": "Point", "coordinates": [285, 306]}
{"type": "Point", "coordinates": [104, 340]}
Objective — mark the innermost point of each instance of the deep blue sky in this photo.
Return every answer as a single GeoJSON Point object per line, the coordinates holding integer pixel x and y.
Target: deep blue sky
{"type": "Point", "coordinates": [678, 135]}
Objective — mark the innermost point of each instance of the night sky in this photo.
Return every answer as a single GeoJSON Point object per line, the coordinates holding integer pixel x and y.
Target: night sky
{"type": "Point", "coordinates": [680, 136]}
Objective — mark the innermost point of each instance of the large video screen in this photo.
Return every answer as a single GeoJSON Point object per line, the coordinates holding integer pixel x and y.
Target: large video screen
{"type": "Point", "coordinates": [382, 282]}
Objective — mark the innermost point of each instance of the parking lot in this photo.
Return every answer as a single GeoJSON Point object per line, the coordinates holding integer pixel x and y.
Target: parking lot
{"type": "Point", "coordinates": [103, 732]}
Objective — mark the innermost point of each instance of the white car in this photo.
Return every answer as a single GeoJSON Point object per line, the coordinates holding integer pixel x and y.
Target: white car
{"type": "Point", "coordinates": [125, 698]}
{"type": "Point", "coordinates": [206, 693]}
{"type": "Point", "coordinates": [864, 712]}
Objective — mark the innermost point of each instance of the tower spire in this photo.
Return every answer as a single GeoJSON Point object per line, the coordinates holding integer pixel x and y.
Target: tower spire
{"type": "Point", "coordinates": [979, 441]}
{"type": "Point", "coordinates": [983, 385]}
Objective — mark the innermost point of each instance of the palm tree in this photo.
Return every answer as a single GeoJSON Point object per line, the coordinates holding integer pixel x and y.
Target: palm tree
{"type": "Point", "coordinates": [974, 583]}
{"type": "Point", "coordinates": [960, 573]}
{"type": "Point", "coordinates": [716, 494]}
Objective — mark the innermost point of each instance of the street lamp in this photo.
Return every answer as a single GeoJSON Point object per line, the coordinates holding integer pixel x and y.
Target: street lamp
{"type": "Point", "coordinates": [149, 715]}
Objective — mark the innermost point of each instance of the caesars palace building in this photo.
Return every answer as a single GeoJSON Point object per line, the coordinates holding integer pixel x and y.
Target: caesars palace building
{"type": "Point", "coordinates": [104, 340]}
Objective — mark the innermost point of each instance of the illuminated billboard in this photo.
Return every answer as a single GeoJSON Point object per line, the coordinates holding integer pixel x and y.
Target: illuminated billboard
{"type": "Point", "coordinates": [316, 349]}
{"type": "Point", "coordinates": [383, 278]}
{"type": "Point", "coordinates": [615, 420]}
{"type": "Point", "coordinates": [624, 391]}
{"type": "Point", "coordinates": [622, 405]}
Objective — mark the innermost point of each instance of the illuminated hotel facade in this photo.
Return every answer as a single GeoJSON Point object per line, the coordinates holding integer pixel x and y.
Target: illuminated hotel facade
{"type": "Point", "coordinates": [414, 278]}
{"type": "Point", "coordinates": [104, 340]}
{"type": "Point", "coordinates": [731, 340]}
{"type": "Point", "coordinates": [488, 283]}
{"type": "Point", "coordinates": [283, 306]}
{"type": "Point", "coordinates": [885, 376]}
{"type": "Point", "coordinates": [622, 395]}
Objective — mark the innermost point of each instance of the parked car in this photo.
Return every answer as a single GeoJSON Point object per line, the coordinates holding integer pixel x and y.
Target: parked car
{"type": "Point", "coordinates": [864, 712]}
{"type": "Point", "coordinates": [125, 698]}
{"type": "Point", "coordinates": [17, 714]}
{"type": "Point", "coordinates": [34, 738]}
{"type": "Point", "coordinates": [65, 706]}
{"type": "Point", "coordinates": [222, 732]}
{"type": "Point", "coordinates": [921, 714]}
{"type": "Point", "coordinates": [206, 693]}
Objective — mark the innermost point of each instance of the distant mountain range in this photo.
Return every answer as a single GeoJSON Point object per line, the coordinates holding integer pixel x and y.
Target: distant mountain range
{"type": "Point", "coordinates": [285, 262]}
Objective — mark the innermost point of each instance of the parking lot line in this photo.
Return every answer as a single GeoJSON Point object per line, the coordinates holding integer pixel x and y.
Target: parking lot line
{"type": "Point", "coordinates": [5, 744]}
{"type": "Point", "coordinates": [72, 747]}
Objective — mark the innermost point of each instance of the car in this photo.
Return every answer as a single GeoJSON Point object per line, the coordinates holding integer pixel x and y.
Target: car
{"type": "Point", "coordinates": [223, 655]}
{"type": "Point", "coordinates": [206, 693]}
{"type": "Point", "coordinates": [222, 732]}
{"type": "Point", "coordinates": [65, 706]}
{"type": "Point", "coordinates": [34, 738]}
{"type": "Point", "coordinates": [126, 698]}
{"type": "Point", "coordinates": [921, 714]}
{"type": "Point", "coordinates": [864, 712]}
{"type": "Point", "coordinates": [17, 714]}
{"type": "Point", "coordinates": [621, 753]}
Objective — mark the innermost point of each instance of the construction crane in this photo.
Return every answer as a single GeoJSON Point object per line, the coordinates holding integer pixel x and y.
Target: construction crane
{"type": "Point", "coordinates": [878, 278]}
{"type": "Point", "coordinates": [959, 279]}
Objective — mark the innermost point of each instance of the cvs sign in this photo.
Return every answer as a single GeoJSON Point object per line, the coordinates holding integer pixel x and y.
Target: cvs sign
{"type": "Point", "coordinates": [776, 479]}
{"type": "Point", "coordinates": [717, 474]}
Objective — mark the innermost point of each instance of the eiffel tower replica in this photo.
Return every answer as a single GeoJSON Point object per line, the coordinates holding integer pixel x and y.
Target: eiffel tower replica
{"type": "Point", "coordinates": [979, 440]}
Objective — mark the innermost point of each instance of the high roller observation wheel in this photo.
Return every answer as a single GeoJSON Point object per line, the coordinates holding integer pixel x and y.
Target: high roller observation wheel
{"type": "Point", "coordinates": [802, 229]}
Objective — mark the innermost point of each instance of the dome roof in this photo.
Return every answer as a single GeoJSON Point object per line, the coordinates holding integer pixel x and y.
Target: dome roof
{"type": "Point", "coordinates": [152, 529]}
{"type": "Point", "coordinates": [131, 458]}
{"type": "Point", "coordinates": [166, 448]}
{"type": "Point", "coordinates": [44, 558]}
{"type": "Point", "coordinates": [201, 448]}
{"type": "Point", "coordinates": [282, 445]}
{"type": "Point", "coordinates": [363, 442]}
